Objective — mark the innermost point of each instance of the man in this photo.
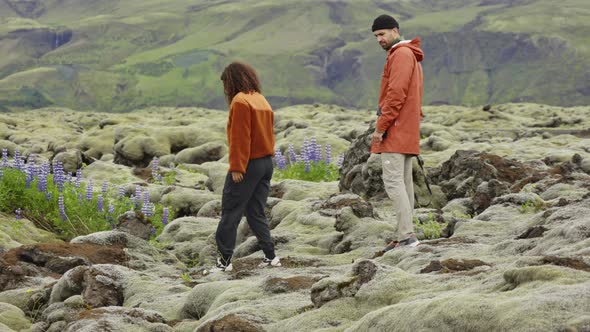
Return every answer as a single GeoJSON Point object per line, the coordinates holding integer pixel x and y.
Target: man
{"type": "Point", "coordinates": [397, 131]}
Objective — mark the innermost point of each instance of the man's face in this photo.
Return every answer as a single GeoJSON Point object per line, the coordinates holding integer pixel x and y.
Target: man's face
{"type": "Point", "coordinates": [386, 37]}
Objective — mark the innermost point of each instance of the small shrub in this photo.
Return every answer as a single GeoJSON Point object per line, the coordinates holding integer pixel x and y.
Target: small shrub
{"type": "Point", "coordinates": [532, 206]}
{"type": "Point", "coordinates": [186, 277]}
{"type": "Point", "coordinates": [311, 164]}
{"type": "Point", "coordinates": [431, 229]}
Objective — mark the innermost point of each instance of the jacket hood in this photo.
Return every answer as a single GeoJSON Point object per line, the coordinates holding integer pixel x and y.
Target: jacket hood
{"type": "Point", "coordinates": [413, 44]}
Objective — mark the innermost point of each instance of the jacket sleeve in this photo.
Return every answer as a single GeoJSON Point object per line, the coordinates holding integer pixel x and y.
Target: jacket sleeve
{"type": "Point", "coordinates": [239, 136]}
{"type": "Point", "coordinates": [400, 74]}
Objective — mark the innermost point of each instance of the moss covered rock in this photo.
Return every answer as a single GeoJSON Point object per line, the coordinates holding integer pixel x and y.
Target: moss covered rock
{"type": "Point", "coordinates": [13, 317]}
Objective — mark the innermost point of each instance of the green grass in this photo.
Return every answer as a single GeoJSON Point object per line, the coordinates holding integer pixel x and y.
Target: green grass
{"type": "Point", "coordinates": [83, 216]}
{"type": "Point", "coordinates": [135, 53]}
{"type": "Point", "coordinates": [447, 20]}
{"type": "Point", "coordinates": [8, 24]}
{"type": "Point", "coordinates": [318, 172]}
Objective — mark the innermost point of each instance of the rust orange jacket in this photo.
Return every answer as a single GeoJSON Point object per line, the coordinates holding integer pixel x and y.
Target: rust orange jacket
{"type": "Point", "coordinates": [400, 99]}
{"type": "Point", "coordinates": [250, 132]}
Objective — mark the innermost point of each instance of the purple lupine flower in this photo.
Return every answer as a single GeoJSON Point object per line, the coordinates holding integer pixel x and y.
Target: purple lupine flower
{"type": "Point", "coordinates": [292, 155]}
{"type": "Point", "coordinates": [328, 157]}
{"type": "Point", "coordinates": [61, 207]}
{"type": "Point", "coordinates": [165, 216]}
{"type": "Point", "coordinates": [148, 209]}
{"type": "Point", "coordinates": [280, 160]}
{"type": "Point", "coordinates": [305, 149]}
{"type": "Point", "coordinates": [105, 187]}
{"type": "Point", "coordinates": [42, 178]}
{"type": "Point", "coordinates": [42, 184]}
{"type": "Point", "coordinates": [59, 176]}
{"type": "Point", "coordinates": [18, 214]}
{"type": "Point", "coordinates": [155, 170]}
{"type": "Point", "coordinates": [31, 168]}
{"type": "Point", "coordinates": [48, 195]}
{"type": "Point", "coordinates": [4, 158]}
{"type": "Point", "coordinates": [121, 192]}
{"type": "Point", "coordinates": [145, 209]}
{"type": "Point", "coordinates": [146, 197]}
{"type": "Point", "coordinates": [89, 190]}
{"type": "Point", "coordinates": [307, 163]}
{"type": "Point", "coordinates": [45, 169]}
{"type": "Point", "coordinates": [100, 203]}
{"type": "Point", "coordinates": [137, 197]}
{"type": "Point", "coordinates": [1, 173]}
{"type": "Point", "coordinates": [111, 208]}
{"type": "Point", "coordinates": [30, 173]}
{"type": "Point", "coordinates": [340, 161]}
{"type": "Point", "coordinates": [78, 177]}
{"type": "Point", "coordinates": [313, 150]}
{"type": "Point", "coordinates": [318, 153]}
{"type": "Point", "coordinates": [19, 164]}
{"type": "Point", "coordinates": [38, 170]}
{"type": "Point", "coordinates": [17, 159]}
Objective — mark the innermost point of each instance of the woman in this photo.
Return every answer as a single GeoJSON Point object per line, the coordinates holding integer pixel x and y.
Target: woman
{"type": "Point", "coordinates": [250, 136]}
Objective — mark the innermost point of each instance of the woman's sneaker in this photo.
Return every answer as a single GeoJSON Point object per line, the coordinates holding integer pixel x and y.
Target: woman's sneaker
{"type": "Point", "coordinates": [276, 262]}
{"type": "Point", "coordinates": [223, 267]}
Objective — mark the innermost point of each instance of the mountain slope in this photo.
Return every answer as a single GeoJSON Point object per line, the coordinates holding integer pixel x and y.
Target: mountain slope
{"type": "Point", "coordinates": [120, 55]}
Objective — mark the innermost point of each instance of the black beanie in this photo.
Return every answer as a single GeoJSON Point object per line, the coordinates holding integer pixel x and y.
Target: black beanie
{"type": "Point", "coordinates": [384, 22]}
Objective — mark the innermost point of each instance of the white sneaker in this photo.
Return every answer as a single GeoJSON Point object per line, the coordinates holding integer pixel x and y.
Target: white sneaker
{"type": "Point", "coordinates": [409, 242]}
{"type": "Point", "coordinates": [276, 262]}
{"type": "Point", "coordinates": [222, 267]}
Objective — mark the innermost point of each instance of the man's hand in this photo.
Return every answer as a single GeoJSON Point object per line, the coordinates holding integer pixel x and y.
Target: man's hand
{"type": "Point", "coordinates": [377, 136]}
{"type": "Point", "coordinates": [237, 177]}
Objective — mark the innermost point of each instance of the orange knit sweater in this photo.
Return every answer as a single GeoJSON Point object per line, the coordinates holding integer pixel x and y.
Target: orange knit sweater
{"type": "Point", "coordinates": [250, 130]}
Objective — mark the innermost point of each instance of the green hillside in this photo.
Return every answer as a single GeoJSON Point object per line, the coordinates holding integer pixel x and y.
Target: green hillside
{"type": "Point", "coordinates": [116, 55]}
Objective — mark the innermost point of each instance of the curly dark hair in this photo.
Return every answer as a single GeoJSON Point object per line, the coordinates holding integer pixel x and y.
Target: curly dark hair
{"type": "Point", "coordinates": [239, 77]}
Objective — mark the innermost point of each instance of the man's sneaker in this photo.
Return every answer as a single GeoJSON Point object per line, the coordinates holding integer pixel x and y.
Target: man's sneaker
{"type": "Point", "coordinates": [390, 246]}
{"type": "Point", "coordinates": [222, 267]}
{"type": "Point", "coordinates": [270, 262]}
{"type": "Point", "coordinates": [409, 242]}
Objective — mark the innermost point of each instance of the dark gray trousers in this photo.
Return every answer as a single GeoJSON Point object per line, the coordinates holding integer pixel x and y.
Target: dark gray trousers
{"type": "Point", "coordinates": [248, 196]}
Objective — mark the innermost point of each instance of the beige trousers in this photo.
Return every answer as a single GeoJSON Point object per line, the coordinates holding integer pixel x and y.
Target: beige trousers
{"type": "Point", "coordinates": [397, 178]}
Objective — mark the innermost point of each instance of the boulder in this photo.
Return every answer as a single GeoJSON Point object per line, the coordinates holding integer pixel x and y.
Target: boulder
{"type": "Point", "coordinates": [333, 288]}
{"type": "Point", "coordinates": [71, 160]}
{"type": "Point", "coordinates": [298, 190]}
{"type": "Point", "coordinates": [13, 318]}
{"type": "Point", "coordinates": [135, 223]}
{"type": "Point", "coordinates": [119, 319]}
{"type": "Point", "coordinates": [466, 170]}
{"type": "Point", "coordinates": [187, 202]}
{"type": "Point", "coordinates": [139, 150]}
{"type": "Point", "coordinates": [211, 151]}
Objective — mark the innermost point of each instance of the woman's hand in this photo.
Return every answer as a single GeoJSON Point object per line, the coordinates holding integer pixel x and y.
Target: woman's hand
{"type": "Point", "coordinates": [237, 177]}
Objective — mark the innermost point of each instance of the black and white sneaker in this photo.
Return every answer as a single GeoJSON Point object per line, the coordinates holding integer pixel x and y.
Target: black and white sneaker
{"type": "Point", "coordinates": [409, 242]}
{"type": "Point", "coordinates": [276, 262]}
{"type": "Point", "coordinates": [223, 267]}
